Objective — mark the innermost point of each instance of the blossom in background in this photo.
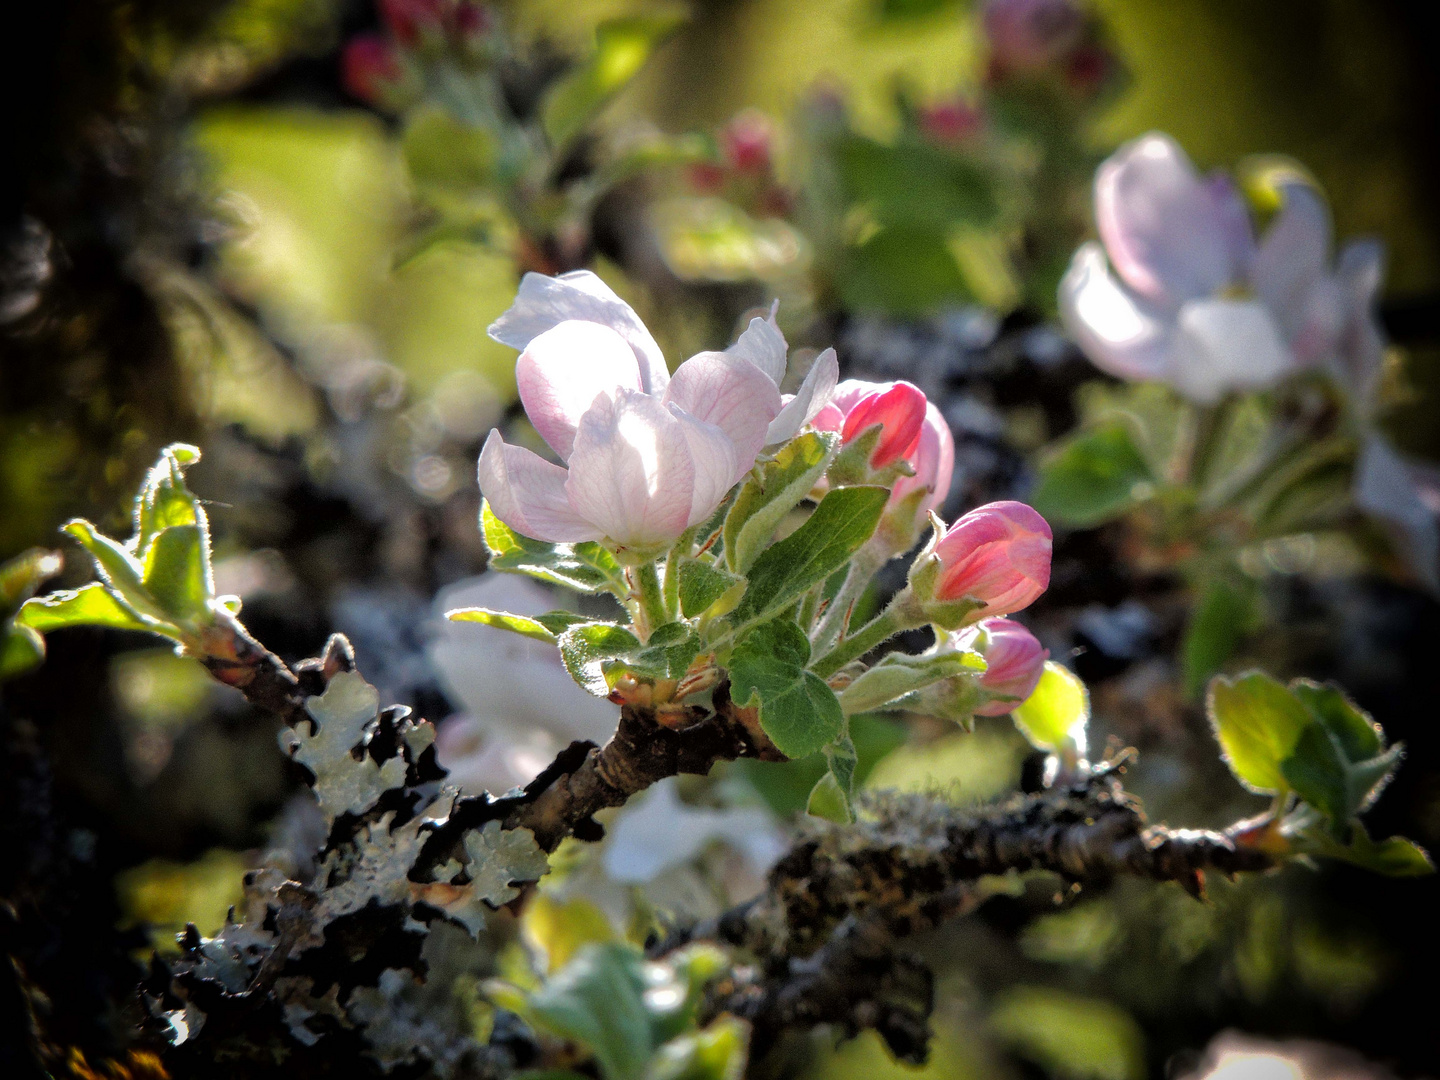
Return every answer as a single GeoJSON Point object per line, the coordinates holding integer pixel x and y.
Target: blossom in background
{"type": "Point", "coordinates": [1027, 35]}
{"type": "Point", "coordinates": [998, 553]}
{"type": "Point", "coordinates": [1014, 662]}
{"type": "Point", "coordinates": [648, 455]}
{"type": "Point", "coordinates": [520, 706]}
{"type": "Point", "coordinates": [1195, 301]}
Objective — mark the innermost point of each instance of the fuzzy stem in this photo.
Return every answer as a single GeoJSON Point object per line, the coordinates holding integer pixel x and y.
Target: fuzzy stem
{"type": "Point", "coordinates": [645, 582]}
{"type": "Point", "coordinates": [837, 616]}
{"type": "Point", "coordinates": [903, 614]}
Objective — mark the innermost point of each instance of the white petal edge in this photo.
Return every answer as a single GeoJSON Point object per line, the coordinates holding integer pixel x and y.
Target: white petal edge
{"type": "Point", "coordinates": [1110, 325]}
{"type": "Point", "coordinates": [528, 493]}
{"type": "Point", "coordinates": [1386, 488]}
{"type": "Point", "coordinates": [731, 393]}
{"type": "Point", "coordinates": [716, 461]}
{"type": "Point", "coordinates": [763, 345]}
{"type": "Point", "coordinates": [542, 302]}
{"type": "Point", "coordinates": [814, 394]}
{"type": "Point", "coordinates": [1292, 257]}
{"type": "Point", "coordinates": [563, 370]}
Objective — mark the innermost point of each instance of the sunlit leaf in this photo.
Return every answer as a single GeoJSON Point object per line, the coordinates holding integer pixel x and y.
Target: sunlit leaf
{"type": "Point", "coordinates": [1055, 716]}
{"type": "Point", "coordinates": [798, 711]}
{"type": "Point", "coordinates": [586, 567]}
{"type": "Point", "coordinates": [90, 605]}
{"type": "Point", "coordinates": [1258, 722]}
{"type": "Point", "coordinates": [764, 500]}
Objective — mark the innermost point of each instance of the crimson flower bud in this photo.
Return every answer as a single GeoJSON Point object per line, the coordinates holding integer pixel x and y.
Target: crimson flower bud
{"type": "Point", "coordinates": [1026, 35]}
{"type": "Point", "coordinates": [746, 143]}
{"type": "Point", "coordinates": [369, 67]}
{"type": "Point", "coordinates": [899, 409]}
{"type": "Point", "coordinates": [1014, 662]}
{"type": "Point", "coordinates": [998, 553]}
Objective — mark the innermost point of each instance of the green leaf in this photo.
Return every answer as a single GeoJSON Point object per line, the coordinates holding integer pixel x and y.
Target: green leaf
{"type": "Point", "coordinates": [91, 605]}
{"type": "Point", "coordinates": [798, 710]}
{"type": "Point", "coordinates": [546, 628]}
{"type": "Point", "coordinates": [833, 796]}
{"type": "Point", "coordinates": [1317, 773]}
{"type": "Point", "coordinates": [1393, 857]}
{"type": "Point", "coordinates": [837, 529]}
{"type": "Point", "coordinates": [177, 572]}
{"type": "Point", "coordinates": [902, 270]}
{"type": "Point", "coordinates": [899, 674]}
{"type": "Point", "coordinates": [716, 1052]}
{"type": "Point", "coordinates": [1358, 735]}
{"type": "Point", "coordinates": [763, 501]}
{"type": "Point", "coordinates": [1092, 478]}
{"type": "Point", "coordinates": [585, 568]}
{"type": "Point", "coordinates": [21, 649]}
{"type": "Point", "coordinates": [1226, 614]}
{"type": "Point", "coordinates": [915, 184]}
{"type": "Point", "coordinates": [622, 46]}
{"type": "Point", "coordinates": [1055, 716]}
{"type": "Point", "coordinates": [702, 584]}
{"type": "Point", "coordinates": [585, 648]}
{"type": "Point", "coordinates": [1258, 723]}
{"type": "Point", "coordinates": [440, 149]}
{"type": "Point", "coordinates": [22, 575]}
{"type": "Point", "coordinates": [164, 500]}
{"type": "Point", "coordinates": [598, 1000]}
{"type": "Point", "coordinates": [121, 571]}
{"type": "Point", "coordinates": [668, 653]}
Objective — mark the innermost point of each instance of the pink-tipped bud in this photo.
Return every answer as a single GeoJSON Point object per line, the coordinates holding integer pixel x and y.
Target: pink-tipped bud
{"type": "Point", "coordinates": [900, 410]}
{"type": "Point", "coordinates": [1027, 35]}
{"type": "Point", "coordinates": [407, 20]}
{"type": "Point", "coordinates": [369, 68]}
{"type": "Point", "coordinates": [1014, 662]}
{"type": "Point", "coordinates": [933, 460]}
{"type": "Point", "coordinates": [746, 143]}
{"type": "Point", "coordinates": [949, 123]}
{"type": "Point", "coordinates": [998, 553]}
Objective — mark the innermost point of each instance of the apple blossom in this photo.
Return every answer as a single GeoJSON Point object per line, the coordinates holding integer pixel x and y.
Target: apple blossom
{"type": "Point", "coordinates": [1178, 289]}
{"type": "Point", "coordinates": [1026, 35]}
{"type": "Point", "coordinates": [998, 553]}
{"type": "Point", "coordinates": [648, 455]}
{"type": "Point", "coordinates": [1014, 662]}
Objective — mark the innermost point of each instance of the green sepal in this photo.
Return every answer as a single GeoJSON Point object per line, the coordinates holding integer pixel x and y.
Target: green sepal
{"type": "Point", "coordinates": [899, 674]}
{"type": "Point", "coordinates": [852, 464]}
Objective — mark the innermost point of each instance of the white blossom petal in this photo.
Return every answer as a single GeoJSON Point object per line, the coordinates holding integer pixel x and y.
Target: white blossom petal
{"type": "Point", "coordinates": [660, 832]}
{"type": "Point", "coordinates": [1110, 325]}
{"type": "Point", "coordinates": [1222, 345]}
{"type": "Point", "coordinates": [1386, 487]}
{"type": "Point", "coordinates": [764, 346]}
{"type": "Point", "coordinates": [1361, 350]}
{"type": "Point", "coordinates": [731, 393]}
{"type": "Point", "coordinates": [814, 394]}
{"type": "Point", "coordinates": [563, 370]}
{"type": "Point", "coordinates": [631, 472]}
{"type": "Point", "coordinates": [543, 302]}
{"type": "Point", "coordinates": [716, 462]}
{"type": "Point", "coordinates": [1292, 258]}
{"type": "Point", "coordinates": [1167, 232]}
{"type": "Point", "coordinates": [528, 493]}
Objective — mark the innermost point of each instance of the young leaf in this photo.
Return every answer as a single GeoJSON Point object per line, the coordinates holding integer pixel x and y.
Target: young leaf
{"type": "Point", "coordinates": [1226, 613]}
{"type": "Point", "coordinates": [546, 628]}
{"type": "Point", "coordinates": [899, 674]}
{"type": "Point", "coordinates": [833, 797]}
{"type": "Point", "coordinates": [1317, 773]}
{"type": "Point", "coordinates": [837, 529]}
{"type": "Point", "coordinates": [1055, 716]}
{"type": "Point", "coordinates": [1092, 478]}
{"type": "Point", "coordinates": [585, 568]}
{"type": "Point", "coordinates": [121, 571]}
{"type": "Point", "coordinates": [22, 575]}
{"type": "Point", "coordinates": [621, 48]}
{"type": "Point", "coordinates": [587, 646]}
{"type": "Point", "coordinates": [598, 1000]}
{"type": "Point", "coordinates": [798, 710]}
{"type": "Point", "coordinates": [764, 500]}
{"type": "Point", "coordinates": [177, 572]}
{"type": "Point", "coordinates": [164, 500]}
{"type": "Point", "coordinates": [667, 654]}
{"type": "Point", "coordinates": [90, 605]}
{"type": "Point", "coordinates": [702, 584]}
{"type": "Point", "coordinates": [1258, 723]}
{"type": "Point", "coordinates": [21, 649]}
{"type": "Point", "coordinates": [1358, 735]}
{"type": "Point", "coordinates": [1393, 857]}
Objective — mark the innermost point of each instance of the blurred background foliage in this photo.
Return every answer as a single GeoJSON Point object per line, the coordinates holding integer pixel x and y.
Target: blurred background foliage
{"type": "Point", "coordinates": [225, 222]}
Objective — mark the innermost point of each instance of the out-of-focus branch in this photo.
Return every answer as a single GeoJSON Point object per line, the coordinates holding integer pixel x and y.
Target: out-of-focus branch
{"type": "Point", "coordinates": [822, 937]}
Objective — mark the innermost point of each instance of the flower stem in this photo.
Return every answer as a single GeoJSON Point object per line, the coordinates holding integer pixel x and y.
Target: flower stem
{"type": "Point", "coordinates": [903, 614]}
{"type": "Point", "coordinates": [646, 583]}
{"type": "Point", "coordinates": [836, 619]}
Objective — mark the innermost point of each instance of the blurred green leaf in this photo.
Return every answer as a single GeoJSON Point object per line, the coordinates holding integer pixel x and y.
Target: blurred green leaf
{"type": "Point", "coordinates": [833, 796]}
{"type": "Point", "coordinates": [439, 149]}
{"type": "Point", "coordinates": [906, 10]}
{"type": "Point", "coordinates": [1055, 716]}
{"type": "Point", "coordinates": [21, 649]}
{"type": "Point", "coordinates": [622, 46]}
{"type": "Point", "coordinates": [1225, 615]}
{"type": "Point", "coordinates": [1092, 478]}
{"type": "Point", "coordinates": [764, 499]}
{"type": "Point", "coordinates": [1070, 1036]}
{"type": "Point", "coordinates": [786, 785]}
{"type": "Point", "coordinates": [798, 710]}
{"type": "Point", "coordinates": [915, 184]}
{"type": "Point", "coordinates": [1393, 857]}
{"type": "Point", "coordinates": [21, 646]}
{"type": "Point", "coordinates": [544, 628]}
{"type": "Point", "coordinates": [716, 1052]}
{"type": "Point", "coordinates": [1340, 762]}
{"type": "Point", "coordinates": [901, 270]}
{"type": "Point", "coordinates": [1258, 723]}
{"type": "Point", "coordinates": [843, 521]}
{"type": "Point", "coordinates": [1317, 773]}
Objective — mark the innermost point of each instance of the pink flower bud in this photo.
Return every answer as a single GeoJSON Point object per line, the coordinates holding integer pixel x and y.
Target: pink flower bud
{"type": "Point", "coordinates": [898, 407]}
{"type": "Point", "coordinates": [369, 67]}
{"type": "Point", "coordinates": [746, 142]}
{"type": "Point", "coordinates": [1015, 661]}
{"type": "Point", "coordinates": [1026, 35]}
{"type": "Point", "coordinates": [949, 123]}
{"type": "Point", "coordinates": [409, 19]}
{"type": "Point", "coordinates": [933, 460]}
{"type": "Point", "coordinates": [998, 553]}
